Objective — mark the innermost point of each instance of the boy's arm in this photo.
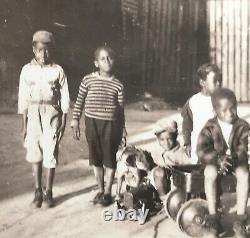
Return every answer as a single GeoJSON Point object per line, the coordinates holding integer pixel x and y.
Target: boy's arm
{"type": "Point", "coordinates": [122, 114]}
{"type": "Point", "coordinates": [61, 129]}
{"type": "Point", "coordinates": [78, 107]}
{"type": "Point", "coordinates": [187, 123]}
{"type": "Point", "coordinates": [64, 91]}
{"type": "Point", "coordinates": [205, 148]}
{"type": "Point", "coordinates": [242, 149]}
{"type": "Point", "coordinates": [23, 101]}
{"type": "Point", "coordinates": [23, 94]}
{"type": "Point", "coordinates": [24, 125]}
{"type": "Point", "coordinates": [65, 102]}
{"type": "Point", "coordinates": [77, 111]}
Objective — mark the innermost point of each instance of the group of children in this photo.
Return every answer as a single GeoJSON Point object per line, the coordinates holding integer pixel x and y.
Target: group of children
{"type": "Point", "coordinates": [213, 133]}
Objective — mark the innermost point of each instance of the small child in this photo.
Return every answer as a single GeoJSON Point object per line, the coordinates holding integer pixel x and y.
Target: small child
{"type": "Point", "coordinates": [223, 148]}
{"type": "Point", "coordinates": [44, 102]}
{"type": "Point", "coordinates": [169, 154]}
{"type": "Point", "coordinates": [102, 97]}
{"type": "Point", "coordinates": [198, 109]}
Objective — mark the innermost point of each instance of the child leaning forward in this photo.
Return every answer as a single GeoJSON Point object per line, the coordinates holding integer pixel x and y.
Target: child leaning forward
{"type": "Point", "coordinates": [168, 154]}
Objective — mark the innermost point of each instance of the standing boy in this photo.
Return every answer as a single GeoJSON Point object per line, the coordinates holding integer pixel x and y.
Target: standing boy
{"type": "Point", "coordinates": [223, 149]}
{"type": "Point", "coordinates": [102, 97]}
{"type": "Point", "coordinates": [198, 109]}
{"type": "Point", "coordinates": [44, 102]}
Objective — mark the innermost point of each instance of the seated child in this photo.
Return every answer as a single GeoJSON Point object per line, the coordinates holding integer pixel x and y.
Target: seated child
{"type": "Point", "coordinates": [168, 154]}
{"type": "Point", "coordinates": [198, 109]}
{"type": "Point", "coordinates": [222, 147]}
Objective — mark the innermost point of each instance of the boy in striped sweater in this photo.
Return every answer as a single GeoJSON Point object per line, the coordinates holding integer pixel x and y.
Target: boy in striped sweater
{"type": "Point", "coordinates": [102, 97]}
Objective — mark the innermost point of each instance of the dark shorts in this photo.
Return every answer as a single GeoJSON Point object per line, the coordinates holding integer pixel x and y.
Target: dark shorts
{"type": "Point", "coordinates": [103, 139]}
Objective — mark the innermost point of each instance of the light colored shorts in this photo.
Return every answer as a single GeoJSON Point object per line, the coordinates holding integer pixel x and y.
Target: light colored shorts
{"type": "Point", "coordinates": [41, 141]}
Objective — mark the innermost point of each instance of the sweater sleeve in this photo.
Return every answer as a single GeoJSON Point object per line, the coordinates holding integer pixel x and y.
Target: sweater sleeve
{"type": "Point", "coordinates": [205, 147]}
{"type": "Point", "coordinates": [187, 123]}
{"type": "Point", "coordinates": [121, 114]}
{"type": "Point", "coordinates": [78, 108]}
{"type": "Point", "coordinates": [242, 149]}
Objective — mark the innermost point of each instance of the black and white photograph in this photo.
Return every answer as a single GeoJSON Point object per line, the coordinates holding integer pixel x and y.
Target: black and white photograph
{"type": "Point", "coordinates": [124, 118]}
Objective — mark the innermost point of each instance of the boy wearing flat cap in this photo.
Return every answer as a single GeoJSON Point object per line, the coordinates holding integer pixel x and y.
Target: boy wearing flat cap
{"type": "Point", "coordinates": [169, 154]}
{"type": "Point", "coordinates": [44, 103]}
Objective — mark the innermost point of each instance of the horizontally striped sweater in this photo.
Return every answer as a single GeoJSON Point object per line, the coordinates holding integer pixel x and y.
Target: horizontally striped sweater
{"type": "Point", "coordinates": [102, 98]}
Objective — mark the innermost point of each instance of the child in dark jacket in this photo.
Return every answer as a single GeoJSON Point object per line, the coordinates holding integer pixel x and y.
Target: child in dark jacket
{"type": "Point", "coordinates": [223, 148]}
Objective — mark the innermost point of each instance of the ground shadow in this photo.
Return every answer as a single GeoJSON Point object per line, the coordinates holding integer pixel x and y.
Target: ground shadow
{"type": "Point", "coordinates": [67, 196]}
{"type": "Point", "coordinates": [63, 198]}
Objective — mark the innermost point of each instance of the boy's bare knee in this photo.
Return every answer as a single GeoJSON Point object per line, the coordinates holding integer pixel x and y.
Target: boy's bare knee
{"type": "Point", "coordinates": [210, 172]}
{"type": "Point", "coordinates": [242, 173]}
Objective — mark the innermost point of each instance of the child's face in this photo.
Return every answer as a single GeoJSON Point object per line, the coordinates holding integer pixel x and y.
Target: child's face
{"type": "Point", "coordinates": [166, 140]}
{"type": "Point", "coordinates": [42, 53]}
{"type": "Point", "coordinates": [104, 61]}
{"type": "Point", "coordinates": [226, 110]}
{"type": "Point", "coordinates": [211, 83]}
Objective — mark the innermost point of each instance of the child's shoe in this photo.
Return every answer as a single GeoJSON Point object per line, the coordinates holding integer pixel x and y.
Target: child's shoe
{"type": "Point", "coordinates": [106, 200]}
{"type": "Point", "coordinates": [213, 226]}
{"type": "Point", "coordinates": [239, 227]}
{"type": "Point", "coordinates": [38, 199]}
{"type": "Point", "coordinates": [48, 199]}
{"type": "Point", "coordinates": [98, 198]}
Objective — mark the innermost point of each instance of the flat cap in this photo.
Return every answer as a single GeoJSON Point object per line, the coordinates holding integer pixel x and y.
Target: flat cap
{"type": "Point", "coordinates": [165, 125]}
{"type": "Point", "coordinates": [44, 37]}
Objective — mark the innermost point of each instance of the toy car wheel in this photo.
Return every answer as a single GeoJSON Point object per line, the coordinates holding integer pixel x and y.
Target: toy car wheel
{"type": "Point", "coordinates": [173, 202]}
{"type": "Point", "coordinates": [191, 218]}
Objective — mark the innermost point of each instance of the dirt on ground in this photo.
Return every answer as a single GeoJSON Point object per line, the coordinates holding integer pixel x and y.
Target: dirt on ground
{"type": "Point", "coordinates": [74, 215]}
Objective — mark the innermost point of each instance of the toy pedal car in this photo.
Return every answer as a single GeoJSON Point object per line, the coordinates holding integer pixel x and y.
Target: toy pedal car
{"type": "Point", "coordinates": [186, 204]}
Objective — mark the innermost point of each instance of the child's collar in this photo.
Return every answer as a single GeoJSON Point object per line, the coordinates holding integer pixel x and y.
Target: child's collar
{"type": "Point", "coordinates": [224, 123]}
{"type": "Point", "coordinates": [176, 147]}
{"type": "Point", "coordinates": [97, 74]}
{"type": "Point", "coordinates": [204, 95]}
{"type": "Point", "coordinates": [34, 62]}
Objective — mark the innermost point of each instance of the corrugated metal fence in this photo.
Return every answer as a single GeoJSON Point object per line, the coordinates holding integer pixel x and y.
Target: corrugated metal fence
{"type": "Point", "coordinates": [173, 37]}
{"type": "Point", "coordinates": [229, 43]}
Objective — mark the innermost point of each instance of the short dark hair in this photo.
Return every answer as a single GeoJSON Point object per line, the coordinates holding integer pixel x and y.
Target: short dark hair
{"type": "Point", "coordinates": [223, 93]}
{"type": "Point", "coordinates": [106, 48]}
{"type": "Point", "coordinates": [205, 69]}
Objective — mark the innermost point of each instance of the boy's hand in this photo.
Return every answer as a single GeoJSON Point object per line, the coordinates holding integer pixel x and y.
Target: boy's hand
{"type": "Point", "coordinates": [60, 132]}
{"type": "Point", "coordinates": [61, 129]}
{"type": "Point", "coordinates": [123, 142]}
{"type": "Point", "coordinates": [24, 133]}
{"type": "Point", "coordinates": [118, 198]}
{"type": "Point", "coordinates": [225, 164]}
{"type": "Point", "coordinates": [124, 138]}
{"type": "Point", "coordinates": [188, 150]}
{"type": "Point", "coordinates": [75, 129]}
